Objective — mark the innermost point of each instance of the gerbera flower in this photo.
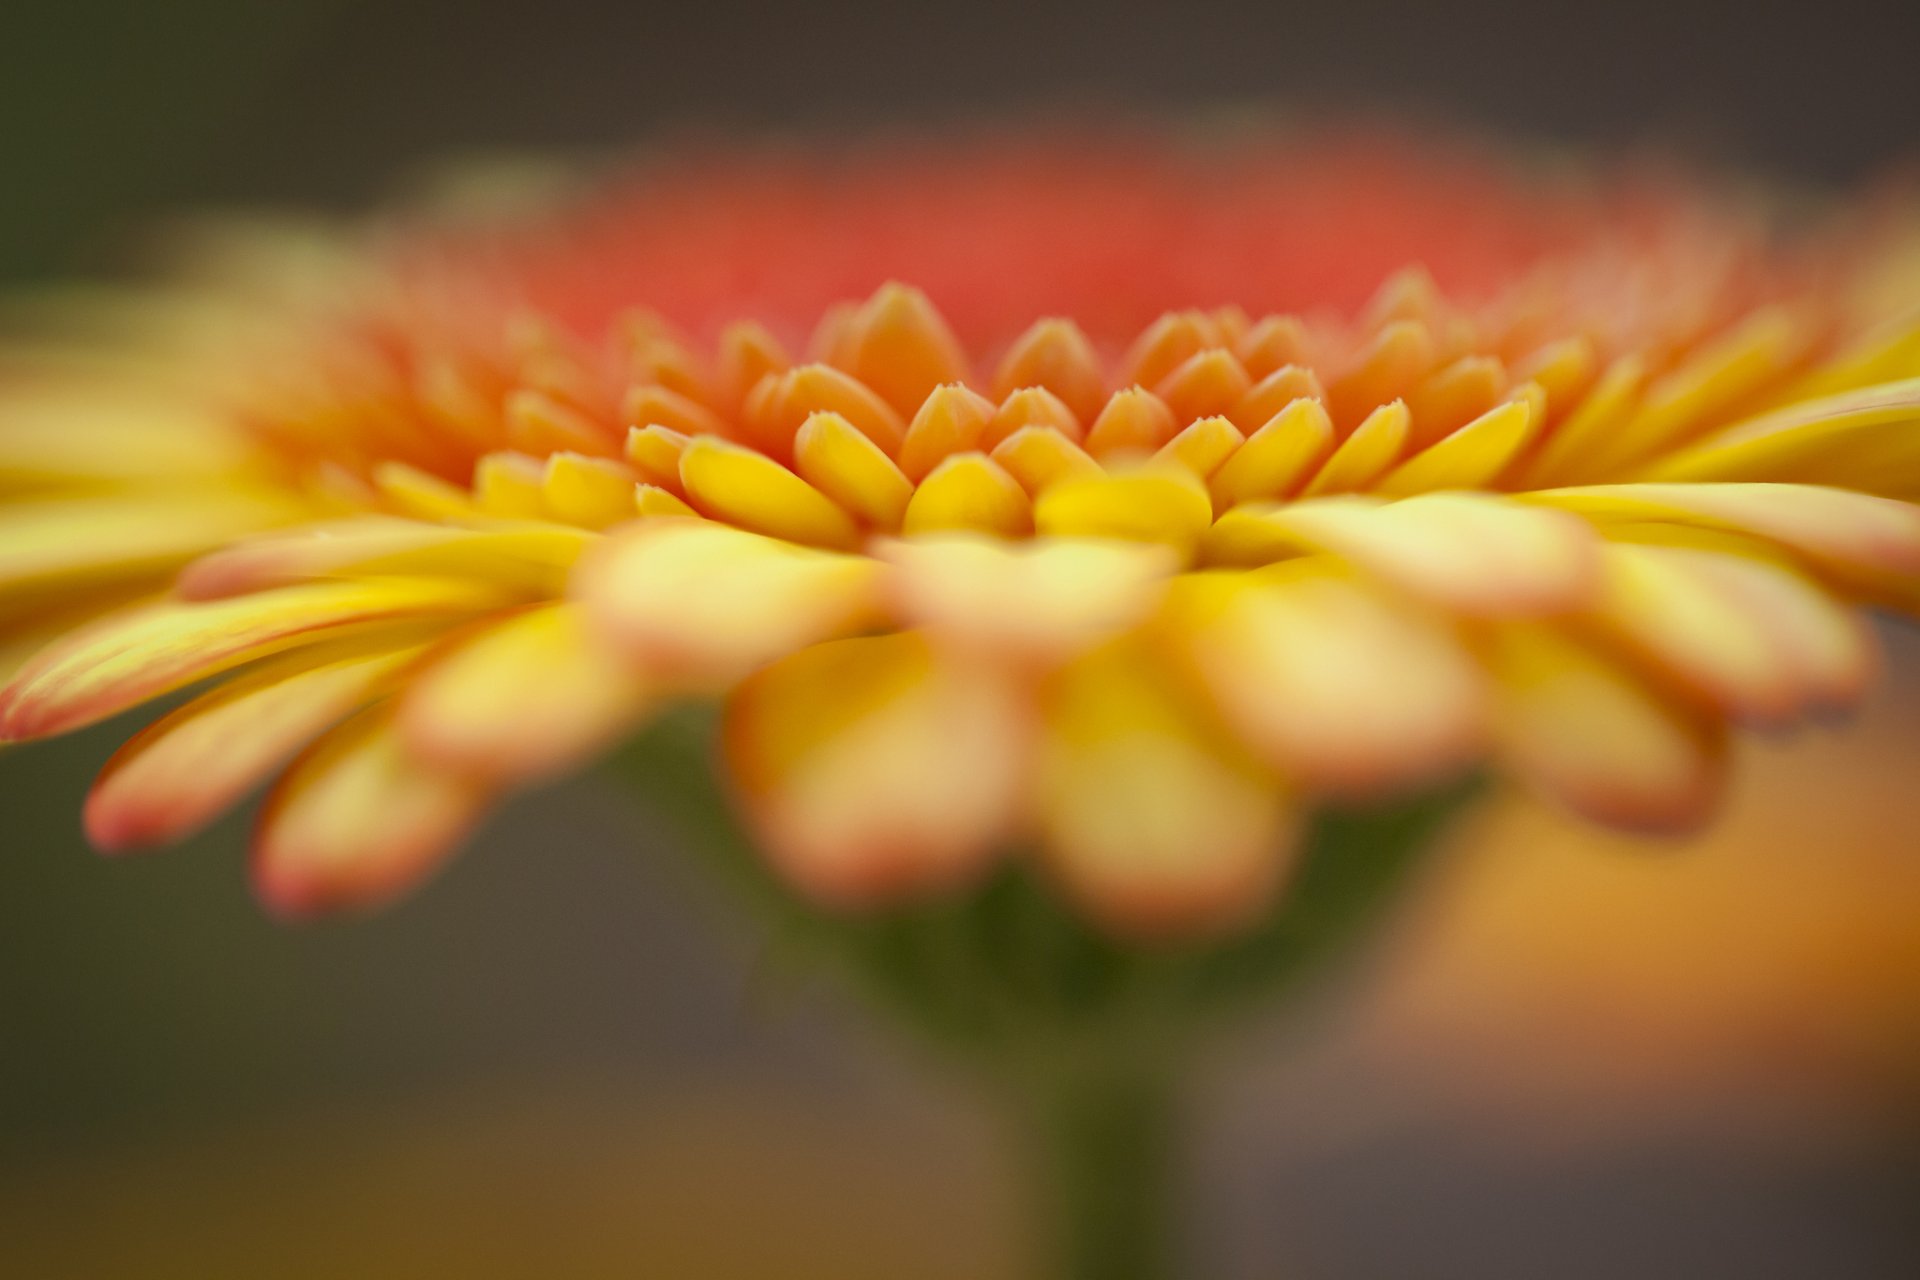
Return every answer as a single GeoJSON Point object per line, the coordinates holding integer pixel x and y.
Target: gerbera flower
{"type": "Point", "coordinates": [1121, 501]}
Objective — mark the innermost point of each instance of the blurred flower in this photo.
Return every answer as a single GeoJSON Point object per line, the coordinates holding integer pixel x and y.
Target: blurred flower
{"type": "Point", "coordinates": [1009, 553]}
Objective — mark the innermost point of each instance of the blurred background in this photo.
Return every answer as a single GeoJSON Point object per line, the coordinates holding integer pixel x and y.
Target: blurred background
{"type": "Point", "coordinates": [1580, 1056]}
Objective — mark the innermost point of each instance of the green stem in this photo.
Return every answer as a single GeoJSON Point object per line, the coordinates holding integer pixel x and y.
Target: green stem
{"type": "Point", "coordinates": [1089, 1032]}
{"type": "Point", "coordinates": [1105, 1141]}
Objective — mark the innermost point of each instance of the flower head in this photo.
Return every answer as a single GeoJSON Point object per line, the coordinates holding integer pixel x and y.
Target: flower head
{"type": "Point", "coordinates": [1118, 501]}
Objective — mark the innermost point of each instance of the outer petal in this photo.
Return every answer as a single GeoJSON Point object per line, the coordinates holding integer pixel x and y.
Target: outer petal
{"type": "Point", "coordinates": [526, 697]}
{"type": "Point", "coordinates": [1855, 533]}
{"type": "Point", "coordinates": [704, 601]}
{"type": "Point", "coordinates": [1473, 553]}
{"type": "Point", "coordinates": [1330, 679]}
{"type": "Point", "coordinates": [533, 554]}
{"type": "Point", "coordinates": [1152, 822]}
{"type": "Point", "coordinates": [357, 821]}
{"type": "Point", "coordinates": [186, 769]}
{"type": "Point", "coordinates": [124, 660]}
{"type": "Point", "coordinates": [98, 537]}
{"type": "Point", "coordinates": [1757, 638]}
{"type": "Point", "coordinates": [875, 769]}
{"type": "Point", "coordinates": [1586, 733]}
{"type": "Point", "coordinates": [1043, 600]}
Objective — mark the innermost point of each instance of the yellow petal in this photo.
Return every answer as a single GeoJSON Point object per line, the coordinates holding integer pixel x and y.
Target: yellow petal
{"type": "Point", "coordinates": [67, 437]}
{"type": "Point", "coordinates": [653, 502]}
{"type": "Point", "coordinates": [1835, 528]}
{"type": "Point", "coordinates": [1471, 458]}
{"type": "Point", "coordinates": [655, 452]}
{"type": "Point", "coordinates": [1275, 458]}
{"type": "Point", "coordinates": [875, 771]}
{"type": "Point", "coordinates": [93, 538]}
{"type": "Point", "coordinates": [1569, 451]}
{"type": "Point", "coordinates": [195, 763]}
{"type": "Point", "coordinates": [1332, 682]}
{"type": "Point", "coordinates": [128, 658]}
{"type": "Point", "coordinates": [703, 601]}
{"type": "Point", "coordinates": [1363, 457]}
{"type": "Point", "coordinates": [531, 695]}
{"type": "Point", "coordinates": [1683, 402]}
{"type": "Point", "coordinates": [1475, 553]}
{"type": "Point", "coordinates": [1163, 505]}
{"type": "Point", "coordinates": [1041, 600]}
{"type": "Point", "coordinates": [1588, 735]}
{"type": "Point", "coordinates": [969, 492]}
{"type": "Point", "coordinates": [1860, 440]}
{"type": "Point", "coordinates": [356, 822]}
{"type": "Point", "coordinates": [1759, 640]}
{"type": "Point", "coordinates": [735, 484]}
{"type": "Point", "coordinates": [530, 556]}
{"type": "Point", "coordinates": [850, 469]}
{"type": "Point", "coordinates": [510, 486]}
{"type": "Point", "coordinates": [1202, 448]}
{"type": "Point", "coordinates": [1152, 824]}
{"type": "Point", "coordinates": [592, 493]}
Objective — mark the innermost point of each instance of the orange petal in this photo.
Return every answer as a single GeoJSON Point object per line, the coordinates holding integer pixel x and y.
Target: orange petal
{"type": "Point", "coordinates": [1398, 357]}
{"type": "Point", "coordinates": [1054, 354]}
{"type": "Point", "coordinates": [1272, 394]}
{"type": "Point", "coordinates": [356, 822]}
{"type": "Point", "coordinates": [1204, 385]}
{"type": "Point", "coordinates": [1168, 343]}
{"type": "Point", "coordinates": [898, 344]}
{"type": "Point", "coordinates": [778, 407]}
{"type": "Point", "coordinates": [873, 770]}
{"type": "Point", "coordinates": [1133, 421]}
{"type": "Point", "coordinates": [1040, 457]}
{"type": "Point", "coordinates": [952, 420]}
{"type": "Point", "coordinates": [1031, 407]}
